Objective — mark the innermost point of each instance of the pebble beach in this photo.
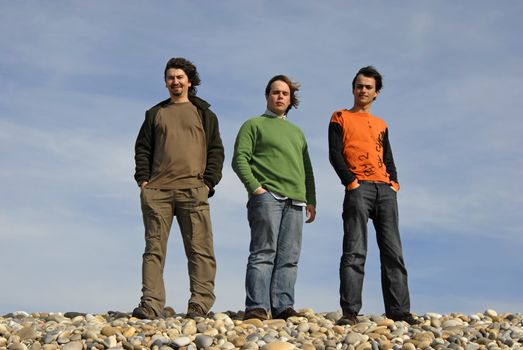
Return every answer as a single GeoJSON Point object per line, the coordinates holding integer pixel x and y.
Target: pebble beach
{"type": "Point", "coordinates": [226, 330]}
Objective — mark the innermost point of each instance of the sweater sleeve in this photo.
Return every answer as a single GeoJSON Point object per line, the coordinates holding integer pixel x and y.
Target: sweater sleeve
{"type": "Point", "coordinates": [336, 154]}
{"type": "Point", "coordinates": [388, 159]}
{"type": "Point", "coordinates": [309, 178]}
{"type": "Point", "coordinates": [243, 151]}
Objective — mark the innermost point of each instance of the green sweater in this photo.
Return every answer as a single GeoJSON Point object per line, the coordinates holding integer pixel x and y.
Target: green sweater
{"type": "Point", "coordinates": [272, 153]}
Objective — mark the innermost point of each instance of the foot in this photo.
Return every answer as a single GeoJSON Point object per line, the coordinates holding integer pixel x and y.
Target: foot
{"type": "Point", "coordinates": [407, 317]}
{"type": "Point", "coordinates": [195, 310]}
{"type": "Point", "coordinates": [257, 313]}
{"type": "Point", "coordinates": [167, 312]}
{"type": "Point", "coordinates": [288, 312]}
{"type": "Point", "coordinates": [349, 318]}
{"type": "Point", "coordinates": [144, 312]}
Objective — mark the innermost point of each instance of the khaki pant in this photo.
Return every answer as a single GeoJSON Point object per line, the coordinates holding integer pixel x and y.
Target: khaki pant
{"type": "Point", "coordinates": [191, 208]}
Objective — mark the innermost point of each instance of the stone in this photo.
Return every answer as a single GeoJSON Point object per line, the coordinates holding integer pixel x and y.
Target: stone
{"type": "Point", "coordinates": [333, 316]}
{"type": "Point", "coordinates": [74, 345]}
{"type": "Point", "coordinates": [491, 313]}
{"type": "Point", "coordinates": [254, 322]}
{"type": "Point", "coordinates": [203, 341]}
{"type": "Point", "coordinates": [408, 346]}
{"type": "Point", "coordinates": [182, 341]}
{"type": "Point", "coordinates": [278, 346]}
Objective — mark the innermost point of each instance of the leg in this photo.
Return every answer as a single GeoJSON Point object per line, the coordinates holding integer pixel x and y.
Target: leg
{"type": "Point", "coordinates": [287, 255]}
{"type": "Point", "coordinates": [393, 271]}
{"type": "Point", "coordinates": [264, 214]}
{"type": "Point", "coordinates": [157, 209]}
{"type": "Point", "coordinates": [192, 213]}
{"type": "Point", "coordinates": [356, 207]}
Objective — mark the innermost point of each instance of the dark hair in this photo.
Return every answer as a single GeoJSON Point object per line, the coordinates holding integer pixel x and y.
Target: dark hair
{"type": "Point", "coordinates": [189, 68]}
{"type": "Point", "coordinates": [369, 72]}
{"type": "Point", "coordinates": [293, 87]}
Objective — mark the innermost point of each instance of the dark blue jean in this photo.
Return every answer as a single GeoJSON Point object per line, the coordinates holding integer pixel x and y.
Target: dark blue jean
{"type": "Point", "coordinates": [272, 267]}
{"type": "Point", "coordinates": [378, 202]}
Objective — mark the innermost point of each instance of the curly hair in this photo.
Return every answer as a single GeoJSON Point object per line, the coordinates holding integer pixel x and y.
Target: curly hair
{"type": "Point", "coordinates": [189, 68]}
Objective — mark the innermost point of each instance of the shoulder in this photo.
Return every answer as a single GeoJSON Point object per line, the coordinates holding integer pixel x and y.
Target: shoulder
{"type": "Point", "coordinates": [339, 115]}
{"type": "Point", "coordinates": [154, 109]}
{"type": "Point", "coordinates": [254, 121]}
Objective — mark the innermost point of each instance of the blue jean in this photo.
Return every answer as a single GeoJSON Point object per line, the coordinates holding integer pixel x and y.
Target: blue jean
{"type": "Point", "coordinates": [272, 267]}
{"type": "Point", "coordinates": [376, 201]}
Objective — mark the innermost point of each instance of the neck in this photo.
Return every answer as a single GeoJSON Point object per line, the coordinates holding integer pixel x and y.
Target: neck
{"type": "Point", "coordinates": [179, 99]}
{"type": "Point", "coordinates": [361, 108]}
{"type": "Point", "coordinates": [279, 115]}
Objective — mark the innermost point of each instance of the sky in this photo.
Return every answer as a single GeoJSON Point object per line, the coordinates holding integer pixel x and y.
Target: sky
{"type": "Point", "coordinates": [76, 78]}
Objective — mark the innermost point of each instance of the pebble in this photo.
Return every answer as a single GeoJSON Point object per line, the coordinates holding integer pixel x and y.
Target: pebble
{"type": "Point", "coordinates": [488, 330]}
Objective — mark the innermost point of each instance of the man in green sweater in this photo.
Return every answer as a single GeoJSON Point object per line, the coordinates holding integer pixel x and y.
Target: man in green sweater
{"type": "Point", "coordinates": [272, 161]}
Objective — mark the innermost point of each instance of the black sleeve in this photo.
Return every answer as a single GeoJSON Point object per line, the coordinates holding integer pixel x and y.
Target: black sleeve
{"type": "Point", "coordinates": [336, 154]}
{"type": "Point", "coordinates": [143, 150]}
{"type": "Point", "coordinates": [388, 159]}
{"type": "Point", "coordinates": [215, 153]}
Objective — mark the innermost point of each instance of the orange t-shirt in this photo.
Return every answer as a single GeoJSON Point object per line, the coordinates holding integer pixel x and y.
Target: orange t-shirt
{"type": "Point", "coordinates": [363, 136]}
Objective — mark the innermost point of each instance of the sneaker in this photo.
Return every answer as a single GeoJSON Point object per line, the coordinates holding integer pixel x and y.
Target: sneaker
{"type": "Point", "coordinates": [288, 312]}
{"type": "Point", "coordinates": [407, 317]}
{"type": "Point", "coordinates": [195, 310]}
{"type": "Point", "coordinates": [257, 313]}
{"type": "Point", "coordinates": [349, 318]}
{"type": "Point", "coordinates": [144, 312]}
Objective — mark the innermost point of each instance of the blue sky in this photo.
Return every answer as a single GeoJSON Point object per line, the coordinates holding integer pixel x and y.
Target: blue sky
{"type": "Point", "coordinates": [76, 78]}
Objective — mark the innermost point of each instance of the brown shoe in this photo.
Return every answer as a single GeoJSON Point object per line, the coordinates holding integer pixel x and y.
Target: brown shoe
{"type": "Point", "coordinates": [288, 312]}
{"type": "Point", "coordinates": [257, 313]}
{"type": "Point", "coordinates": [349, 318]}
{"type": "Point", "coordinates": [167, 312]}
{"type": "Point", "coordinates": [144, 312]}
{"type": "Point", "coordinates": [195, 310]}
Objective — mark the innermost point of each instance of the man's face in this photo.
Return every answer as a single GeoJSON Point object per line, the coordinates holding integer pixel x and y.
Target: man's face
{"type": "Point", "coordinates": [364, 90]}
{"type": "Point", "coordinates": [177, 82]}
{"type": "Point", "coordinates": [279, 97]}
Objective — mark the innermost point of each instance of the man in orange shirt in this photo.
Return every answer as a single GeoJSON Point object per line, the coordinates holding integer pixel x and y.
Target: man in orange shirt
{"type": "Point", "coordinates": [361, 155]}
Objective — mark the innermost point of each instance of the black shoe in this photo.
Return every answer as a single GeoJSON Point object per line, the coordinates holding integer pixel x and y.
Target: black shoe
{"type": "Point", "coordinates": [144, 312]}
{"type": "Point", "coordinates": [288, 312]}
{"type": "Point", "coordinates": [195, 310]}
{"type": "Point", "coordinates": [407, 317]}
{"type": "Point", "coordinates": [257, 313]}
{"type": "Point", "coordinates": [349, 318]}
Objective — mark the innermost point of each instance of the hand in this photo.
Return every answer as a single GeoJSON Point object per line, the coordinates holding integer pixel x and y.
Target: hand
{"type": "Point", "coordinates": [349, 188]}
{"type": "Point", "coordinates": [393, 189]}
{"type": "Point", "coordinates": [259, 190]}
{"type": "Point", "coordinates": [310, 210]}
{"type": "Point", "coordinates": [143, 184]}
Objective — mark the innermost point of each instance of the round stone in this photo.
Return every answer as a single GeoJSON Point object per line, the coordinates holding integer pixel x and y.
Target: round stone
{"type": "Point", "coordinates": [203, 341]}
{"type": "Point", "coordinates": [278, 346]}
{"type": "Point", "coordinates": [182, 341]}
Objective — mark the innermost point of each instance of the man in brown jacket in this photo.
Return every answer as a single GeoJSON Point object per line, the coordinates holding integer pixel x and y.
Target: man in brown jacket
{"type": "Point", "coordinates": [179, 157]}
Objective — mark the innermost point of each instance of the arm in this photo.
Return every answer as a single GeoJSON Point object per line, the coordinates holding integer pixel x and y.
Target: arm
{"type": "Point", "coordinates": [348, 179]}
{"type": "Point", "coordinates": [144, 150]}
{"type": "Point", "coordinates": [243, 151]}
{"type": "Point", "coordinates": [215, 154]}
{"type": "Point", "coordinates": [309, 187]}
{"type": "Point", "coordinates": [388, 160]}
